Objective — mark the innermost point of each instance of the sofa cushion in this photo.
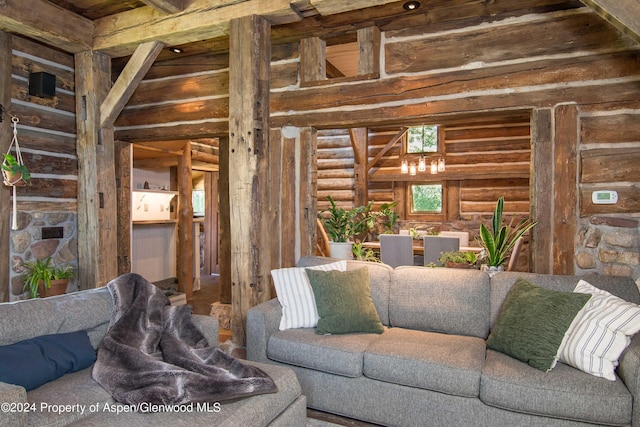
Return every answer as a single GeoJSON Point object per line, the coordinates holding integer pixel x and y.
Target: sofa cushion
{"type": "Point", "coordinates": [447, 300]}
{"type": "Point", "coordinates": [600, 332]}
{"type": "Point", "coordinates": [439, 362]}
{"type": "Point", "coordinates": [258, 410]}
{"type": "Point", "coordinates": [335, 354]}
{"type": "Point", "coordinates": [344, 302]}
{"type": "Point", "coordinates": [88, 310]}
{"type": "Point", "coordinates": [36, 361]}
{"type": "Point", "coordinates": [296, 296]}
{"type": "Point", "coordinates": [532, 323]}
{"type": "Point", "coordinates": [564, 392]}
{"type": "Point", "coordinates": [77, 388]}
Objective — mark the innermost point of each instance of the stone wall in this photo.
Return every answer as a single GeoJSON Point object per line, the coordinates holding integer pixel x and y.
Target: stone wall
{"type": "Point", "coordinates": [610, 246]}
{"type": "Point", "coordinates": [27, 244]}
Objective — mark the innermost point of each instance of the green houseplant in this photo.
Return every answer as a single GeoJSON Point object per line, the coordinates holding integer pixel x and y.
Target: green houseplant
{"type": "Point", "coordinates": [343, 224]}
{"type": "Point", "coordinates": [388, 216]}
{"type": "Point", "coordinates": [458, 259]}
{"type": "Point", "coordinates": [46, 279]}
{"type": "Point", "coordinates": [499, 241]}
{"type": "Point", "coordinates": [14, 172]}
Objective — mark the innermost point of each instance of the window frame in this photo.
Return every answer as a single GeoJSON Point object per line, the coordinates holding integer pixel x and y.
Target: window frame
{"type": "Point", "coordinates": [424, 216]}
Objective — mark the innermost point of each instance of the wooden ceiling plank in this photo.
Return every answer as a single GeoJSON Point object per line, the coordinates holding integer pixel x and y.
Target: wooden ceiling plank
{"type": "Point", "coordinates": [118, 35]}
{"type": "Point", "coordinates": [48, 23]}
{"type": "Point", "coordinates": [128, 81]}
{"type": "Point", "coordinates": [624, 15]}
{"type": "Point", "coordinates": [165, 6]}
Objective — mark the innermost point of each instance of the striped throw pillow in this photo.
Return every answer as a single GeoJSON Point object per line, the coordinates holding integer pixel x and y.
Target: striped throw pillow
{"type": "Point", "coordinates": [296, 296]}
{"type": "Point", "coordinates": [600, 332]}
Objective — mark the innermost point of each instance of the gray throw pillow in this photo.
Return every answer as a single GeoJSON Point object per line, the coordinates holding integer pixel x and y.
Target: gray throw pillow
{"type": "Point", "coordinates": [344, 302]}
{"type": "Point", "coordinates": [533, 322]}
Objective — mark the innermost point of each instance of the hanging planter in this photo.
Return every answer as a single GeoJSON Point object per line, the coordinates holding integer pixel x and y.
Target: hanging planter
{"type": "Point", "coordinates": [14, 172]}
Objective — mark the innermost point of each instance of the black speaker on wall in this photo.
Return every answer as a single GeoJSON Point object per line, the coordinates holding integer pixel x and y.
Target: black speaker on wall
{"type": "Point", "coordinates": [42, 84]}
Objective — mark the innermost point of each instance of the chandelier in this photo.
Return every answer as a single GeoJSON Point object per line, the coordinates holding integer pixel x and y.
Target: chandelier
{"type": "Point", "coordinates": [437, 162]}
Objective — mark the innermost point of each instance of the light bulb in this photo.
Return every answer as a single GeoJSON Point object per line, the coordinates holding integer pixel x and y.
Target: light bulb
{"type": "Point", "coordinates": [404, 166]}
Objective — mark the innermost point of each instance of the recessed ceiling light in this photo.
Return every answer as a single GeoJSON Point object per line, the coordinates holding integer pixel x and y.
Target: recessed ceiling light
{"type": "Point", "coordinates": [411, 5]}
{"type": "Point", "coordinates": [175, 49]}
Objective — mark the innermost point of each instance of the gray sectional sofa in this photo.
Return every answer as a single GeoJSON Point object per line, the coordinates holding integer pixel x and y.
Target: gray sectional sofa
{"type": "Point", "coordinates": [91, 311]}
{"type": "Point", "coordinates": [431, 365]}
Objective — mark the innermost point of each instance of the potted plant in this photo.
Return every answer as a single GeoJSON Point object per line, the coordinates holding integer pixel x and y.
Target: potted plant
{"type": "Point", "coordinates": [364, 254]}
{"type": "Point", "coordinates": [458, 259]}
{"type": "Point", "coordinates": [342, 225]}
{"type": "Point", "coordinates": [14, 172]}
{"type": "Point", "coordinates": [46, 279]}
{"type": "Point", "coordinates": [389, 216]}
{"type": "Point", "coordinates": [499, 241]}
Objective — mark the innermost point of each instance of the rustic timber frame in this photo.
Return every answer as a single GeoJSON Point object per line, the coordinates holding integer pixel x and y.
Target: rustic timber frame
{"type": "Point", "coordinates": [569, 122]}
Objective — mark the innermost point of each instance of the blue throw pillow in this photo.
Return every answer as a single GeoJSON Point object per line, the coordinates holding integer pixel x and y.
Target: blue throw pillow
{"type": "Point", "coordinates": [34, 362]}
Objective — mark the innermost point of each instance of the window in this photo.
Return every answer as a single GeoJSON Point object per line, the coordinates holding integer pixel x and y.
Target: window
{"type": "Point", "coordinates": [197, 199]}
{"type": "Point", "coordinates": [425, 198]}
{"type": "Point", "coordinates": [422, 139]}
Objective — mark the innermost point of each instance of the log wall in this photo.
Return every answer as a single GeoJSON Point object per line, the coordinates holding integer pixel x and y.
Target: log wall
{"type": "Point", "coordinates": [47, 138]}
{"type": "Point", "coordinates": [454, 65]}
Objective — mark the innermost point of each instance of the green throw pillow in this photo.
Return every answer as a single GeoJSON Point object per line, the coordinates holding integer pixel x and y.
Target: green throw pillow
{"type": "Point", "coordinates": [344, 302]}
{"type": "Point", "coordinates": [533, 322]}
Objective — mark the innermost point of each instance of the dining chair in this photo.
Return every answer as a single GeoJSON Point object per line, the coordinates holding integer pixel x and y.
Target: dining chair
{"type": "Point", "coordinates": [435, 245]}
{"type": "Point", "coordinates": [514, 254]}
{"type": "Point", "coordinates": [462, 235]}
{"type": "Point", "coordinates": [396, 249]}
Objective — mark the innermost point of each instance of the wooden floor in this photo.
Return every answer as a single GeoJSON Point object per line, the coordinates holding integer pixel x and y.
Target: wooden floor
{"type": "Point", "coordinates": [201, 302]}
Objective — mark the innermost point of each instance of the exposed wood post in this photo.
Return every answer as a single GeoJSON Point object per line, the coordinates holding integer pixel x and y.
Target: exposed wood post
{"type": "Point", "coordinates": [369, 50]}
{"type": "Point", "coordinates": [308, 190]}
{"type": "Point", "coordinates": [287, 200]}
{"type": "Point", "coordinates": [185, 223]}
{"type": "Point", "coordinates": [123, 160]}
{"type": "Point", "coordinates": [225, 224]}
{"type": "Point", "coordinates": [541, 185]}
{"type": "Point", "coordinates": [249, 67]}
{"type": "Point", "coordinates": [360, 144]}
{"type": "Point", "coordinates": [5, 141]}
{"type": "Point", "coordinates": [211, 222]}
{"type": "Point", "coordinates": [97, 215]}
{"type": "Point", "coordinates": [565, 178]}
{"type": "Point", "coordinates": [313, 62]}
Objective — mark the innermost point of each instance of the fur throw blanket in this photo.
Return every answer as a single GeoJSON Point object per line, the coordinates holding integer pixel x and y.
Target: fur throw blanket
{"type": "Point", "coordinates": [153, 353]}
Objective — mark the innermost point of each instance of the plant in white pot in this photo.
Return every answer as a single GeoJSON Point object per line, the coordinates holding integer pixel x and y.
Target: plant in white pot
{"type": "Point", "coordinates": [500, 240]}
{"type": "Point", "coordinates": [342, 225]}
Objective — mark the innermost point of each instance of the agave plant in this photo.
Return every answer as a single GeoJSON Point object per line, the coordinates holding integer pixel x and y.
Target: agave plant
{"type": "Point", "coordinates": [499, 241]}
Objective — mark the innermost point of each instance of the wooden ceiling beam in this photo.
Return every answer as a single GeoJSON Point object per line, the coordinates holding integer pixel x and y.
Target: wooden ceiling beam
{"type": "Point", "coordinates": [128, 81]}
{"type": "Point", "coordinates": [331, 7]}
{"type": "Point", "coordinates": [48, 23]}
{"type": "Point", "coordinates": [118, 35]}
{"type": "Point", "coordinates": [624, 15]}
{"type": "Point", "coordinates": [165, 6]}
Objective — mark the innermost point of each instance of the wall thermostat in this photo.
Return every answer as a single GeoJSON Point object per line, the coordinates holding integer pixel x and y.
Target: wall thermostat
{"type": "Point", "coordinates": [604, 197]}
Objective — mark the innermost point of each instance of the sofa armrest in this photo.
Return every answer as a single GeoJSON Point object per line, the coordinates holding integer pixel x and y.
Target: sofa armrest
{"type": "Point", "coordinates": [629, 372]}
{"type": "Point", "coordinates": [13, 395]}
{"type": "Point", "coordinates": [262, 321]}
{"type": "Point", "coordinates": [208, 325]}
